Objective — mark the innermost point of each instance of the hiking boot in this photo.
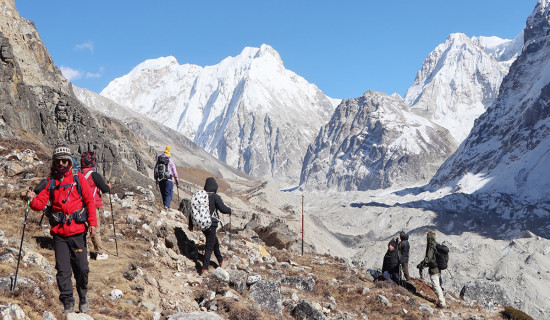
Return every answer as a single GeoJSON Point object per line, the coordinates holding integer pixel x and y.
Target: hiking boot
{"type": "Point", "coordinates": [83, 306]}
{"type": "Point", "coordinates": [220, 264]}
{"type": "Point", "coordinates": [68, 307]}
{"type": "Point", "coordinates": [102, 256]}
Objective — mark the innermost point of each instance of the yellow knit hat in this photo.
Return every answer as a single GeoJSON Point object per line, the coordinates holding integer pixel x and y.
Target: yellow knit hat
{"type": "Point", "coordinates": [167, 151]}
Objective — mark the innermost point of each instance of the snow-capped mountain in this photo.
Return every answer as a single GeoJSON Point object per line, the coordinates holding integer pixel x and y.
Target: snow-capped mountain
{"type": "Point", "coordinates": [373, 142]}
{"type": "Point", "coordinates": [460, 79]}
{"type": "Point", "coordinates": [248, 110]}
{"type": "Point", "coordinates": [508, 150]}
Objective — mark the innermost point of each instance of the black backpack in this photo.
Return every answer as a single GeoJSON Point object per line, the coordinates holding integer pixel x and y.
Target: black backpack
{"type": "Point", "coordinates": [162, 170]}
{"type": "Point", "coordinates": [441, 256]}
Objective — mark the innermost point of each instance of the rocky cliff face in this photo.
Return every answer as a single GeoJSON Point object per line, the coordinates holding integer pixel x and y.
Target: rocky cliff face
{"type": "Point", "coordinates": [248, 111]}
{"type": "Point", "coordinates": [460, 79]}
{"type": "Point", "coordinates": [27, 50]}
{"type": "Point", "coordinates": [374, 142]}
{"type": "Point", "coordinates": [37, 102]}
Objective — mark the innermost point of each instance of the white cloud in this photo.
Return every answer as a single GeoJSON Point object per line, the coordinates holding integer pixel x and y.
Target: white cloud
{"type": "Point", "coordinates": [86, 46]}
{"type": "Point", "coordinates": [93, 75]}
{"type": "Point", "coordinates": [70, 73]}
{"type": "Point", "coordinates": [96, 74]}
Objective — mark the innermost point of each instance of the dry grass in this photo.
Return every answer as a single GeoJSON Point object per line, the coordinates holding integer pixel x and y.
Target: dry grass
{"type": "Point", "coordinates": [515, 314]}
{"type": "Point", "coordinates": [197, 176]}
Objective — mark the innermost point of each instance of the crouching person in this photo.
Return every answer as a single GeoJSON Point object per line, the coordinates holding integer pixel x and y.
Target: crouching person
{"type": "Point", "coordinates": [390, 268]}
{"type": "Point", "coordinates": [72, 206]}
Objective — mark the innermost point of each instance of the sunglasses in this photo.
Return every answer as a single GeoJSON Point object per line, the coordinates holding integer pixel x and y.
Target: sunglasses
{"type": "Point", "coordinates": [61, 161]}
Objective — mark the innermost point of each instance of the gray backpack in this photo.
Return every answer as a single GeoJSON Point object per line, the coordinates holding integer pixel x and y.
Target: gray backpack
{"type": "Point", "coordinates": [162, 170]}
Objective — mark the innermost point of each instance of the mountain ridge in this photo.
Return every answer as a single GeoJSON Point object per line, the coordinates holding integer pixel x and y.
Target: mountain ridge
{"type": "Point", "coordinates": [225, 107]}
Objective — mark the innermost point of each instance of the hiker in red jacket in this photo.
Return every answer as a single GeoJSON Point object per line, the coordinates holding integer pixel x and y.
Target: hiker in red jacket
{"type": "Point", "coordinates": [71, 208]}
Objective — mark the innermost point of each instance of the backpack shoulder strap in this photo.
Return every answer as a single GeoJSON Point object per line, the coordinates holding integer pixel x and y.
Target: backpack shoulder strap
{"type": "Point", "coordinates": [88, 174]}
{"type": "Point", "coordinates": [51, 187]}
{"type": "Point", "coordinates": [77, 182]}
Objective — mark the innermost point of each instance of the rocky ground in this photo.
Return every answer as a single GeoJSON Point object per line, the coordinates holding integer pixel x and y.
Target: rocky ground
{"type": "Point", "coordinates": [511, 267]}
{"type": "Point", "coordinates": [155, 276]}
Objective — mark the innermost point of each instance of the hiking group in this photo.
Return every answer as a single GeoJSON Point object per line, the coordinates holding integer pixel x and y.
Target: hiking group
{"type": "Point", "coordinates": [396, 261]}
{"type": "Point", "coordinates": [71, 200]}
{"type": "Point", "coordinates": [205, 205]}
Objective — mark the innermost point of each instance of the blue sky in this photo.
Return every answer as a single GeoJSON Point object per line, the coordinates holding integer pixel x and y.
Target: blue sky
{"type": "Point", "coordinates": [344, 47]}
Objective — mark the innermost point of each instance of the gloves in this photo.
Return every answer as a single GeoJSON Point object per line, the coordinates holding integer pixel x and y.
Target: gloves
{"type": "Point", "coordinates": [419, 266]}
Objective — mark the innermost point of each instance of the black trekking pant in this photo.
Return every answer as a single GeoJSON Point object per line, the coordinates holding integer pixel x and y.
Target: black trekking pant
{"type": "Point", "coordinates": [212, 244]}
{"type": "Point", "coordinates": [71, 254]}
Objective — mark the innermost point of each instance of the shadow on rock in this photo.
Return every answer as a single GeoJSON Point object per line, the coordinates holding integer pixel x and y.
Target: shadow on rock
{"type": "Point", "coordinates": [44, 242]}
{"type": "Point", "coordinates": [188, 247]}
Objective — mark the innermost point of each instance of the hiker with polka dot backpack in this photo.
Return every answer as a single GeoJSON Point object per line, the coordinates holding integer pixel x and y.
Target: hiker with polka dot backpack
{"type": "Point", "coordinates": [205, 205]}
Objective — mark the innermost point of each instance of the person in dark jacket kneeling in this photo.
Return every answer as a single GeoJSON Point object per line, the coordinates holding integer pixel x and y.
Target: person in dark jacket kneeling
{"type": "Point", "coordinates": [390, 268]}
{"type": "Point", "coordinates": [215, 203]}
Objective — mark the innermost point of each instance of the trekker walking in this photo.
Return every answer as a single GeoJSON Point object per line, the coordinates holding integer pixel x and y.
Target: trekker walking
{"type": "Point", "coordinates": [430, 262]}
{"type": "Point", "coordinates": [390, 267]}
{"type": "Point", "coordinates": [164, 176]}
{"type": "Point", "coordinates": [404, 254]}
{"type": "Point", "coordinates": [71, 200]}
{"type": "Point", "coordinates": [98, 187]}
{"type": "Point", "coordinates": [215, 203]}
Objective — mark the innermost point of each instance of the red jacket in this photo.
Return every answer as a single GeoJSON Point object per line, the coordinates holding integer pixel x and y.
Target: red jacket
{"type": "Point", "coordinates": [73, 202]}
{"type": "Point", "coordinates": [95, 190]}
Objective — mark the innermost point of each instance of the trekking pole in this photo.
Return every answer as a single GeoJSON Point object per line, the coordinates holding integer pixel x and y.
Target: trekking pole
{"type": "Point", "coordinates": [178, 191]}
{"type": "Point", "coordinates": [230, 226]}
{"type": "Point", "coordinates": [400, 278]}
{"type": "Point", "coordinates": [21, 246]}
{"type": "Point", "coordinates": [113, 219]}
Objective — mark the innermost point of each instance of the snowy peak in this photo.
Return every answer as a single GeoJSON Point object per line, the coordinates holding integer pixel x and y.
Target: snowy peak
{"type": "Point", "coordinates": [459, 79]}
{"type": "Point", "coordinates": [157, 64]}
{"type": "Point", "coordinates": [248, 110]}
{"type": "Point", "coordinates": [503, 50]}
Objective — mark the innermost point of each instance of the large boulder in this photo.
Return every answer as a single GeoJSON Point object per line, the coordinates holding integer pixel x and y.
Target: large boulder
{"type": "Point", "coordinates": [304, 310]}
{"type": "Point", "coordinates": [485, 292]}
{"type": "Point", "coordinates": [267, 293]}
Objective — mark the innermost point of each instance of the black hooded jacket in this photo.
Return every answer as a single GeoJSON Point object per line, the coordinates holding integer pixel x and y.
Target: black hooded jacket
{"type": "Point", "coordinates": [404, 248]}
{"type": "Point", "coordinates": [391, 262]}
{"type": "Point", "coordinates": [215, 202]}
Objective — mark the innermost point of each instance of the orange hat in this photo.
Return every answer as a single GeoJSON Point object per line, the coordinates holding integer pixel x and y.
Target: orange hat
{"type": "Point", "coordinates": [167, 151]}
